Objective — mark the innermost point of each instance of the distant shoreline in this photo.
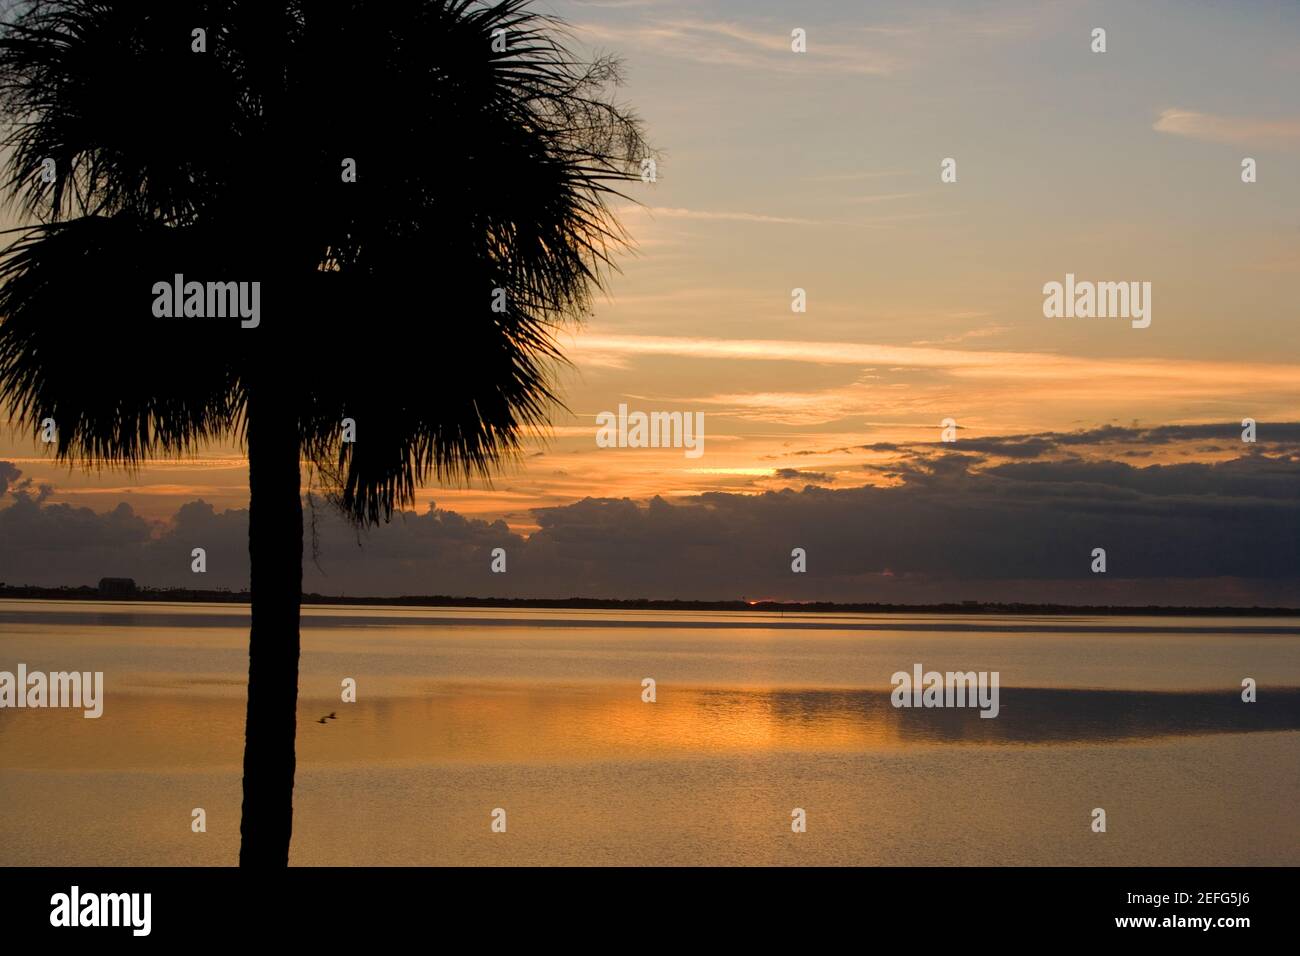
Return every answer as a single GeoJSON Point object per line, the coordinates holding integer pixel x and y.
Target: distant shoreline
{"type": "Point", "coordinates": [185, 596]}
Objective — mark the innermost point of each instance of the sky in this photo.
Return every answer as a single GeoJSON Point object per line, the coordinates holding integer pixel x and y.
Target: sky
{"type": "Point", "coordinates": [820, 171]}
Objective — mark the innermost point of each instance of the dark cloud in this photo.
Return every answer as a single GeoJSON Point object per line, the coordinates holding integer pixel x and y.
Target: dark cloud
{"type": "Point", "coordinates": [815, 477]}
{"type": "Point", "coordinates": [1009, 447]}
{"type": "Point", "coordinates": [831, 451]}
{"type": "Point", "coordinates": [1186, 533]}
{"type": "Point", "coordinates": [1281, 436]}
{"type": "Point", "coordinates": [61, 544]}
{"type": "Point", "coordinates": [9, 473]}
{"type": "Point", "coordinates": [1285, 433]}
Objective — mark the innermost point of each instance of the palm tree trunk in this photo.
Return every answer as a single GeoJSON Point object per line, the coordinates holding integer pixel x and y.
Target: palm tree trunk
{"type": "Point", "coordinates": [275, 553]}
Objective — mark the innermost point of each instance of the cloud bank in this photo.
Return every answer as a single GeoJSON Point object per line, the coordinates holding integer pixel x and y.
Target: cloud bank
{"type": "Point", "coordinates": [957, 525]}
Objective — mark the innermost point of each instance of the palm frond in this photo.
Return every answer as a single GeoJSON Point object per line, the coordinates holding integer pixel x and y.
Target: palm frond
{"type": "Point", "coordinates": [480, 168]}
{"type": "Point", "coordinates": [79, 342]}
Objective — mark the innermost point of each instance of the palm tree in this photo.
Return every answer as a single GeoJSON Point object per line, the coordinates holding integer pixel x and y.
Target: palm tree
{"type": "Point", "coordinates": [209, 138]}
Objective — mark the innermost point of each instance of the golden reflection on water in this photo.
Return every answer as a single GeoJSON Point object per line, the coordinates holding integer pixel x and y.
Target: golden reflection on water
{"type": "Point", "coordinates": [509, 722]}
{"type": "Point", "coordinates": [437, 722]}
{"type": "Point", "coordinates": [460, 712]}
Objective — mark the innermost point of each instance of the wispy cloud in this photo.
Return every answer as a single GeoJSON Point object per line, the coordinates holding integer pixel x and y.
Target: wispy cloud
{"type": "Point", "coordinates": [613, 4]}
{"type": "Point", "coordinates": [732, 44]}
{"type": "Point", "coordinates": [902, 37]}
{"type": "Point", "coordinates": [850, 177]}
{"type": "Point", "coordinates": [1228, 129]}
{"type": "Point", "coordinates": [881, 197]}
{"type": "Point", "coordinates": [834, 353]}
{"type": "Point", "coordinates": [1053, 375]}
{"type": "Point", "coordinates": [982, 333]}
{"type": "Point", "coordinates": [710, 215]}
{"type": "Point", "coordinates": [668, 212]}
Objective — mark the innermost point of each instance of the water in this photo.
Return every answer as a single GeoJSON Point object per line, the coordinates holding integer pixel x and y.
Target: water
{"type": "Point", "coordinates": [539, 712]}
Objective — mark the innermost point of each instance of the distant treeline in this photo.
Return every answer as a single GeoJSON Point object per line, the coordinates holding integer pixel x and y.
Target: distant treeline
{"type": "Point", "coordinates": [178, 595]}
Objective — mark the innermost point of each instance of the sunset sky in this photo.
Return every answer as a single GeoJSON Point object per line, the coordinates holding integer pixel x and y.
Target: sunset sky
{"type": "Point", "coordinates": [820, 171]}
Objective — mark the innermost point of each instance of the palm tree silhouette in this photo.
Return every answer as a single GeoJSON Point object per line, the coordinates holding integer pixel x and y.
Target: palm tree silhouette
{"type": "Point", "coordinates": [209, 140]}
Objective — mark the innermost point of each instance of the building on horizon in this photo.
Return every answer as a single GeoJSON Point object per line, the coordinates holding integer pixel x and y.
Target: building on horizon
{"type": "Point", "coordinates": [117, 587]}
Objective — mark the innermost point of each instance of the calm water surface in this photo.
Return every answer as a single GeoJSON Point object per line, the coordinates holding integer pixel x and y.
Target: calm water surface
{"type": "Point", "coordinates": [539, 712]}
